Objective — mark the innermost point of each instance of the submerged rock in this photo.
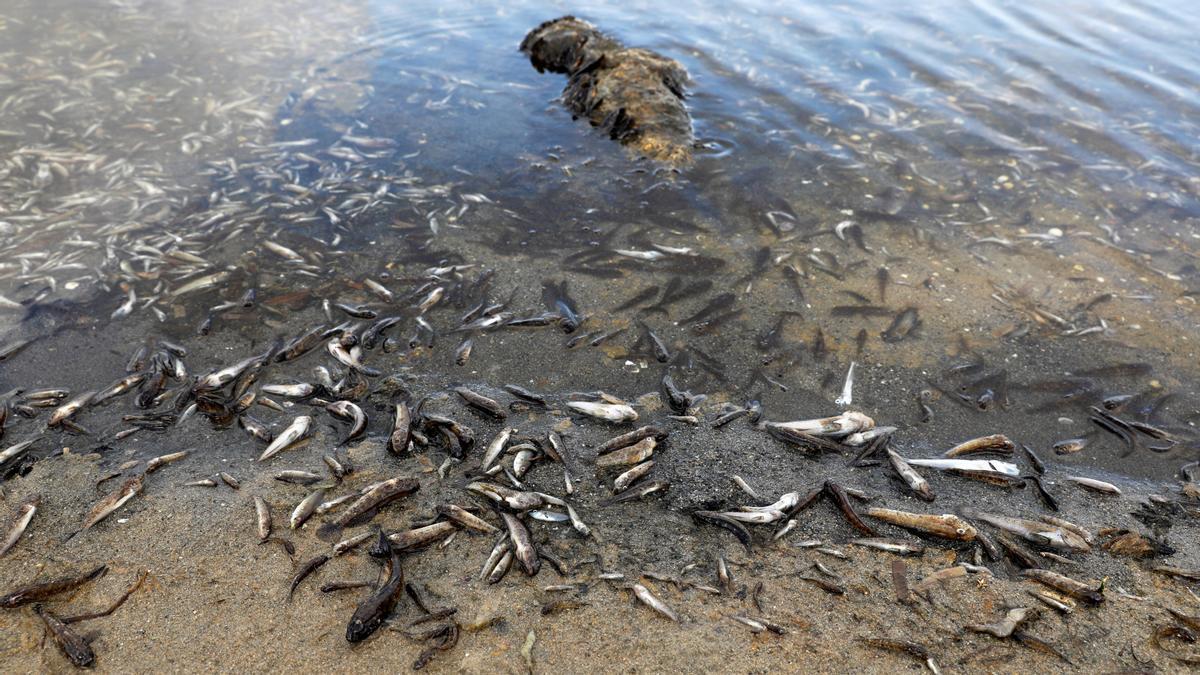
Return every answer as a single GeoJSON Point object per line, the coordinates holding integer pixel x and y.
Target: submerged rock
{"type": "Point", "coordinates": [635, 95]}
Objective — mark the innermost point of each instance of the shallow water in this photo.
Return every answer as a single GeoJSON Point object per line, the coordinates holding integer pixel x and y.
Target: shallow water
{"type": "Point", "coordinates": [1024, 177]}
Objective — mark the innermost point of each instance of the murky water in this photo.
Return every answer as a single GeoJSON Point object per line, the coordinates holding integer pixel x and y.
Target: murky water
{"type": "Point", "coordinates": [990, 208]}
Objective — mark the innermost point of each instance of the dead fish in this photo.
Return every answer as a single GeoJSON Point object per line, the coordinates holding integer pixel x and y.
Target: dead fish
{"type": "Point", "coordinates": [995, 443]}
{"type": "Point", "coordinates": [903, 326]}
{"type": "Point", "coordinates": [420, 536]}
{"type": "Point", "coordinates": [1094, 485]}
{"type": "Point", "coordinates": [378, 496]}
{"type": "Point", "coordinates": [69, 641]}
{"type": "Point", "coordinates": [847, 396]}
{"type": "Point", "coordinates": [304, 571]}
{"type": "Point", "coordinates": [638, 491]}
{"type": "Point", "coordinates": [652, 602]}
{"type": "Point", "coordinates": [1070, 446]}
{"type": "Point", "coordinates": [514, 499]}
{"type": "Point", "coordinates": [1005, 627]}
{"type": "Point", "coordinates": [890, 545]}
{"type": "Point", "coordinates": [345, 410]}
{"type": "Point", "coordinates": [622, 482]}
{"type": "Point", "coordinates": [482, 403]}
{"type": "Point", "coordinates": [1178, 572]}
{"type": "Point", "coordinates": [577, 522]}
{"type": "Point", "coordinates": [628, 456]}
{"type": "Point", "coordinates": [522, 544]}
{"type": "Point", "coordinates": [302, 390]}
{"type": "Point", "coordinates": [914, 480]}
{"type": "Point", "coordinates": [502, 546]}
{"type": "Point", "coordinates": [463, 354]}
{"type": "Point", "coordinates": [376, 607]}
{"type": "Point", "coordinates": [38, 592]}
{"type": "Point", "coordinates": [616, 413]}
{"type": "Point", "coordinates": [1045, 534]}
{"type": "Point", "coordinates": [837, 426]}
{"type": "Point", "coordinates": [20, 522]}
{"type": "Point", "coordinates": [976, 465]}
{"type": "Point", "coordinates": [298, 477]}
{"type": "Point", "coordinates": [298, 430]}
{"type": "Point", "coordinates": [496, 447]}
{"type": "Point", "coordinates": [256, 429]}
{"type": "Point", "coordinates": [840, 498]}
{"type": "Point", "coordinates": [105, 507]}
{"type": "Point", "coordinates": [1075, 589]}
{"type": "Point", "coordinates": [627, 439]}
{"type": "Point", "coordinates": [263, 512]}
{"type": "Point", "coordinates": [401, 430]}
{"type": "Point", "coordinates": [68, 410]}
{"type": "Point", "coordinates": [163, 460]}
{"type": "Point", "coordinates": [466, 518]}
{"type": "Point", "coordinates": [947, 526]}
{"type": "Point", "coordinates": [306, 508]}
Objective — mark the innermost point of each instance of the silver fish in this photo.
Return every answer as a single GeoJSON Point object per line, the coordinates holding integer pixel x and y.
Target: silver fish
{"type": "Point", "coordinates": [983, 465]}
{"type": "Point", "coordinates": [25, 513]}
{"type": "Point", "coordinates": [496, 447]}
{"type": "Point", "coordinates": [299, 429]}
{"type": "Point", "coordinates": [617, 413]}
{"type": "Point", "coordinates": [652, 602]}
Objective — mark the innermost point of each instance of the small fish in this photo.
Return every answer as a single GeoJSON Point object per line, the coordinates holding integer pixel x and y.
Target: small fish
{"type": "Point", "coordinates": [903, 326]}
{"type": "Point", "coordinates": [420, 536]}
{"type": "Point", "coordinates": [25, 512]}
{"type": "Point", "coordinates": [638, 491]}
{"type": "Point", "coordinates": [1045, 534]}
{"type": "Point", "coordinates": [1094, 485]}
{"type": "Point", "coordinates": [38, 592]}
{"type": "Point", "coordinates": [523, 546]}
{"type": "Point", "coordinates": [466, 518]}
{"type": "Point", "coordinates": [997, 443]}
{"type": "Point", "coordinates": [627, 439]}
{"type": "Point", "coordinates": [616, 413]}
{"type": "Point", "coordinates": [652, 602]}
{"type": "Point", "coordinates": [298, 430]}
{"type": "Point", "coordinates": [890, 545]}
{"type": "Point", "coordinates": [847, 396]}
{"type": "Point", "coordinates": [68, 410]}
{"type": "Point", "coordinates": [70, 642]}
{"type": "Point", "coordinates": [481, 403]}
{"type": "Point", "coordinates": [837, 426]}
{"type": "Point", "coordinates": [398, 440]}
{"type": "Point", "coordinates": [496, 447]}
{"type": "Point", "coordinates": [105, 507]}
{"type": "Point", "coordinates": [1069, 446]}
{"type": "Point", "coordinates": [304, 571]}
{"type": "Point", "coordinates": [376, 607]}
{"type": "Point", "coordinates": [947, 526]}
{"type": "Point", "coordinates": [298, 477]}
{"type": "Point", "coordinates": [622, 482]}
{"type": "Point", "coordinates": [345, 410]}
{"type": "Point", "coordinates": [256, 429]}
{"type": "Point", "coordinates": [372, 500]}
{"type": "Point", "coordinates": [914, 480]}
{"type": "Point", "coordinates": [163, 460]}
{"type": "Point", "coordinates": [628, 456]}
{"type": "Point", "coordinates": [980, 465]}
{"type": "Point", "coordinates": [1076, 589]}
{"type": "Point", "coordinates": [306, 508]}
{"type": "Point", "coordinates": [1005, 627]}
{"type": "Point", "coordinates": [263, 513]}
